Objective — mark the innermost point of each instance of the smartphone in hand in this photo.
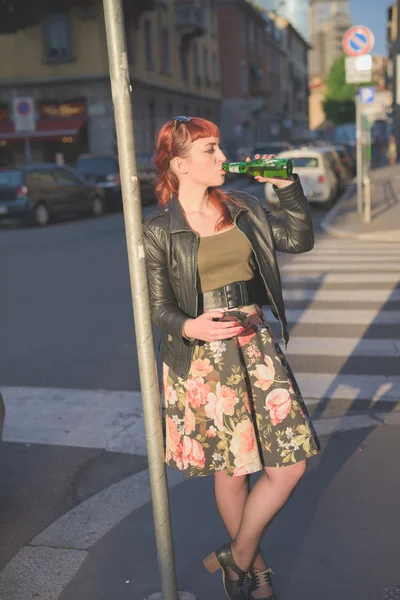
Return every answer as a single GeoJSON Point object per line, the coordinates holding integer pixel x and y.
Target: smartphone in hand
{"type": "Point", "coordinates": [234, 315]}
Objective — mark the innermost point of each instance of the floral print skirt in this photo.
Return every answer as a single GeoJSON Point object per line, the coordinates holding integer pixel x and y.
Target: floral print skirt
{"type": "Point", "coordinates": [240, 408]}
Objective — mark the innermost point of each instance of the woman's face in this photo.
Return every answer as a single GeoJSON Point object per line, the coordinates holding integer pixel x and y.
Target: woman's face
{"type": "Point", "coordinates": [203, 165]}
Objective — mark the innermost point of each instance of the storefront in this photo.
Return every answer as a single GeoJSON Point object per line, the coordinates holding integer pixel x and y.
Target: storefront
{"type": "Point", "coordinates": [61, 129]}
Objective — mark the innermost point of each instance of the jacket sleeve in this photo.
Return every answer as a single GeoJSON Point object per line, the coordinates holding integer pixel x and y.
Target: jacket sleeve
{"type": "Point", "coordinates": [165, 312]}
{"type": "Point", "coordinates": [294, 233]}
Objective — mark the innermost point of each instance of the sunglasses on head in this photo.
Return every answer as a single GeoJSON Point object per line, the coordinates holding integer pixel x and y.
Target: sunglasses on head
{"type": "Point", "coordinates": [177, 120]}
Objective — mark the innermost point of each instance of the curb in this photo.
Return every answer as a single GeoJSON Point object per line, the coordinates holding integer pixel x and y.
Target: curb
{"type": "Point", "coordinates": [392, 236]}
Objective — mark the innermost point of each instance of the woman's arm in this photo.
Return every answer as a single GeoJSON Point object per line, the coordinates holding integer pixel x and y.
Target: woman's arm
{"type": "Point", "coordinates": [294, 233]}
{"type": "Point", "coordinates": [165, 312]}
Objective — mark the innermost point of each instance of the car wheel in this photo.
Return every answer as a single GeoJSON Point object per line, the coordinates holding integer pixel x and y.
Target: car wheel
{"type": "Point", "coordinates": [41, 215]}
{"type": "Point", "coordinates": [97, 207]}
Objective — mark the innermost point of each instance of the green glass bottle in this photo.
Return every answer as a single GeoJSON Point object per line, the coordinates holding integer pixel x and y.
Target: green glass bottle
{"type": "Point", "coordinates": [272, 167]}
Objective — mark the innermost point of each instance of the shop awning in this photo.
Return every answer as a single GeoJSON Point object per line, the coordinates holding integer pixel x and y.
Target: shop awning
{"type": "Point", "coordinates": [46, 129]}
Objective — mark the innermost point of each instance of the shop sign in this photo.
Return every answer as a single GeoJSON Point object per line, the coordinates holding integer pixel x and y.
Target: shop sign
{"type": "Point", "coordinates": [51, 110]}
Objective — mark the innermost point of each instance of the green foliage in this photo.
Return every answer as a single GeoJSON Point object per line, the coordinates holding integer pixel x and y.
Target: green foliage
{"type": "Point", "coordinates": [339, 105]}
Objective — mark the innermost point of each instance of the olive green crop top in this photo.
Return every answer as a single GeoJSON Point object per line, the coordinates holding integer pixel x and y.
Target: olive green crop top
{"type": "Point", "coordinates": [224, 258]}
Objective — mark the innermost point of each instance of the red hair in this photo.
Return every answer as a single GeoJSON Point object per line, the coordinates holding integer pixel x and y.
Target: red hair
{"type": "Point", "coordinates": [171, 144]}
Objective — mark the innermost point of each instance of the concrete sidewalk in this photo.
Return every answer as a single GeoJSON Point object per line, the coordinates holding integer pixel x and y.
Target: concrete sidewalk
{"type": "Point", "coordinates": [344, 221]}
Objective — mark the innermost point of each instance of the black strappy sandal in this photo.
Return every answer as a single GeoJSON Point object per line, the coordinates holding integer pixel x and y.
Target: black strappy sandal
{"type": "Point", "coordinates": [223, 559]}
{"type": "Point", "coordinates": [258, 578]}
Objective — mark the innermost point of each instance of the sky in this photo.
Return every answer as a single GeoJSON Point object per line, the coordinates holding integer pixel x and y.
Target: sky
{"type": "Point", "coordinates": [372, 14]}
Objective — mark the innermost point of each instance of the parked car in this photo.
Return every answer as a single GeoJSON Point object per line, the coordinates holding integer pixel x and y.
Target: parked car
{"type": "Point", "coordinates": [103, 170]}
{"type": "Point", "coordinates": [346, 159]}
{"type": "Point", "coordinates": [342, 174]}
{"type": "Point", "coordinates": [315, 170]}
{"type": "Point", "coordinates": [41, 192]}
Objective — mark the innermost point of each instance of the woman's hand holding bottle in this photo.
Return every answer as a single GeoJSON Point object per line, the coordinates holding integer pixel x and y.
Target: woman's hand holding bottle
{"type": "Point", "coordinates": [277, 181]}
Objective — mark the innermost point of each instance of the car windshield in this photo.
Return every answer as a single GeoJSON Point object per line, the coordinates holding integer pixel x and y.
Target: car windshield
{"type": "Point", "coordinates": [99, 165]}
{"type": "Point", "coordinates": [10, 178]}
{"type": "Point", "coordinates": [306, 162]}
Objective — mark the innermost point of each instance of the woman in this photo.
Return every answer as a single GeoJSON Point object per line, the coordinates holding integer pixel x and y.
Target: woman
{"type": "Point", "coordinates": [232, 404]}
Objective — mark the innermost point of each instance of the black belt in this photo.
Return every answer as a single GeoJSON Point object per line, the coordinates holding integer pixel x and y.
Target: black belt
{"type": "Point", "coordinates": [233, 295]}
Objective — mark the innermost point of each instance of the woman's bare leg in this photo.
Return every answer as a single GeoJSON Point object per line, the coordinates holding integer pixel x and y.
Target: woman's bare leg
{"type": "Point", "coordinates": [269, 494]}
{"type": "Point", "coordinates": [231, 494]}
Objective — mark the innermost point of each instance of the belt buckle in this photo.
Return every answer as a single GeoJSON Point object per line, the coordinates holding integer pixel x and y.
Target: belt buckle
{"type": "Point", "coordinates": [232, 293]}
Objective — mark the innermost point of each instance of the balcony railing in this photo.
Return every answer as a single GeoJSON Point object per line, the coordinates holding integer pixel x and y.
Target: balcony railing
{"type": "Point", "coordinates": [190, 19]}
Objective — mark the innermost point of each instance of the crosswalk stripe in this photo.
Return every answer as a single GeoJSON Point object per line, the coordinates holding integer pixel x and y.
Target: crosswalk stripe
{"type": "Point", "coordinates": [347, 258]}
{"type": "Point", "coordinates": [337, 263]}
{"type": "Point", "coordinates": [354, 295]}
{"type": "Point", "coordinates": [354, 244]}
{"type": "Point", "coordinates": [355, 252]}
{"type": "Point", "coordinates": [332, 346]}
{"type": "Point", "coordinates": [332, 316]}
{"type": "Point", "coordinates": [339, 266]}
{"type": "Point", "coordinates": [331, 278]}
{"type": "Point", "coordinates": [110, 420]}
{"type": "Point", "coordinates": [315, 386]}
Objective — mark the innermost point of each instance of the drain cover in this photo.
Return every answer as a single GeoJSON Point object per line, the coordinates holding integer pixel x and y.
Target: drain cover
{"type": "Point", "coordinates": [392, 593]}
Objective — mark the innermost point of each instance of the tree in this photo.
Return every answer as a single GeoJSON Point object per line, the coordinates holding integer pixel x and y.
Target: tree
{"type": "Point", "coordinates": [339, 105]}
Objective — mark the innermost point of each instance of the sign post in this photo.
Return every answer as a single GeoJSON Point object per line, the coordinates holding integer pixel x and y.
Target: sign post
{"type": "Point", "coordinates": [25, 122]}
{"type": "Point", "coordinates": [358, 41]}
{"type": "Point", "coordinates": [121, 91]}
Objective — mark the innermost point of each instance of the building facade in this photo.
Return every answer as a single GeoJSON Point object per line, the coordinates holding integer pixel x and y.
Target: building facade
{"type": "Point", "coordinates": [264, 76]}
{"type": "Point", "coordinates": [295, 75]}
{"type": "Point", "coordinates": [245, 104]}
{"type": "Point", "coordinates": [295, 11]}
{"type": "Point", "coordinates": [63, 65]}
{"type": "Point", "coordinates": [328, 21]}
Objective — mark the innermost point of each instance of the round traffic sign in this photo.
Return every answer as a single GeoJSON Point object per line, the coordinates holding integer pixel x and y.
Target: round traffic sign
{"type": "Point", "coordinates": [23, 108]}
{"type": "Point", "coordinates": [358, 40]}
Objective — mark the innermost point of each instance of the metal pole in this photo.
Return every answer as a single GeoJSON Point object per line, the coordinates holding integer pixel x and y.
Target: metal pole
{"type": "Point", "coordinates": [121, 94]}
{"type": "Point", "coordinates": [359, 137]}
{"type": "Point", "coordinates": [367, 171]}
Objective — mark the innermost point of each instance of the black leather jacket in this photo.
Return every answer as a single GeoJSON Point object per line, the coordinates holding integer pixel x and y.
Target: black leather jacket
{"type": "Point", "coordinates": [171, 257]}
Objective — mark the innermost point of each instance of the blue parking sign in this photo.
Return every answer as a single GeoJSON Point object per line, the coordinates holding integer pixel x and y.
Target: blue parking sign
{"type": "Point", "coordinates": [367, 95]}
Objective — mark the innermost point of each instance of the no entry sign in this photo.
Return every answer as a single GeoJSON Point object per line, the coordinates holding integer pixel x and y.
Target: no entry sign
{"type": "Point", "coordinates": [358, 40]}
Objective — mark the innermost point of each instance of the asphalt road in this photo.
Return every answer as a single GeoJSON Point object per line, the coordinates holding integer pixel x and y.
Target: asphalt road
{"type": "Point", "coordinates": [66, 322]}
{"type": "Point", "coordinates": [65, 305]}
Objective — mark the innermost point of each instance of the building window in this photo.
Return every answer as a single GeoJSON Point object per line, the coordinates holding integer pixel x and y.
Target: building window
{"type": "Point", "coordinates": [183, 53]}
{"type": "Point", "coordinates": [244, 78]}
{"type": "Point", "coordinates": [251, 34]}
{"type": "Point", "coordinates": [196, 60]}
{"type": "Point", "coordinates": [215, 69]}
{"type": "Point", "coordinates": [214, 17]}
{"type": "Point", "coordinates": [169, 110]}
{"type": "Point", "coordinates": [152, 121]}
{"type": "Point", "coordinates": [57, 45]}
{"type": "Point", "coordinates": [260, 34]}
{"type": "Point", "coordinates": [165, 58]}
{"type": "Point", "coordinates": [205, 64]}
{"type": "Point", "coordinates": [243, 28]}
{"type": "Point", "coordinates": [148, 45]}
{"type": "Point", "coordinates": [186, 110]}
